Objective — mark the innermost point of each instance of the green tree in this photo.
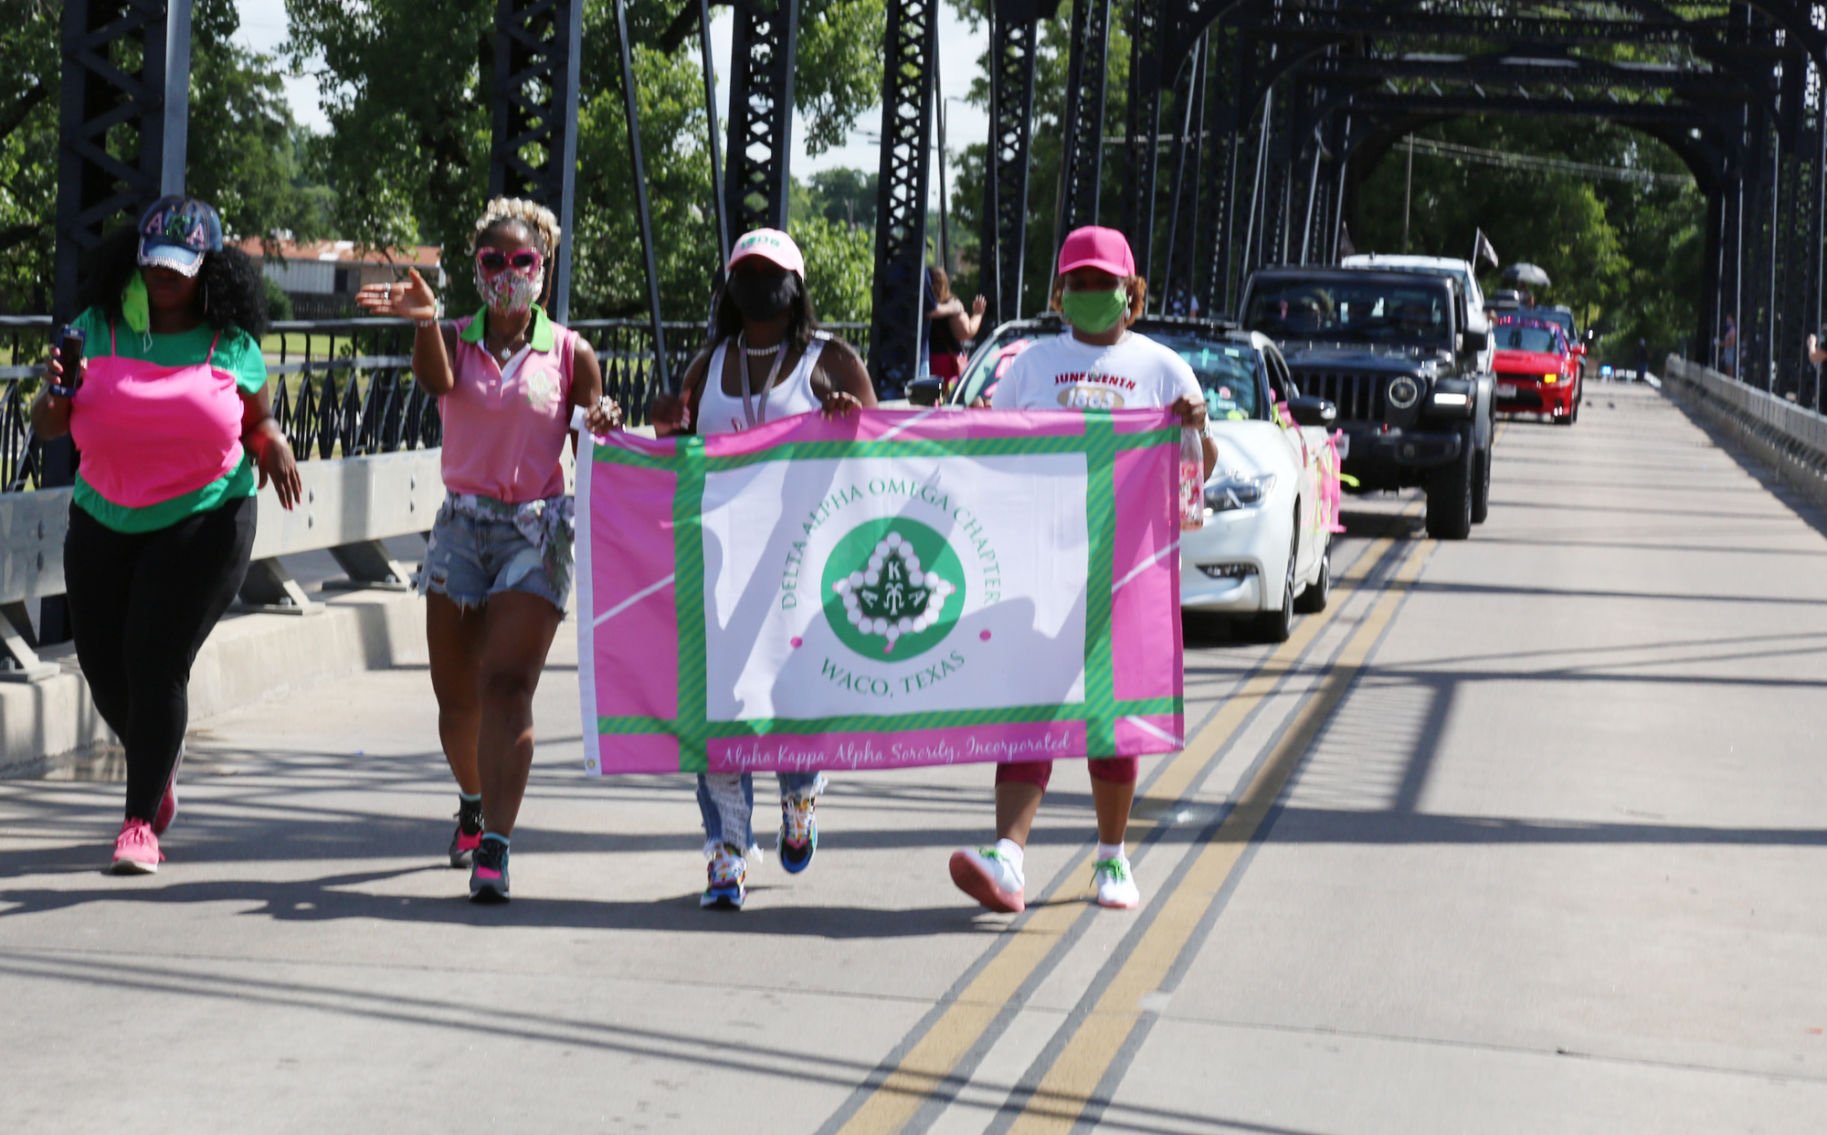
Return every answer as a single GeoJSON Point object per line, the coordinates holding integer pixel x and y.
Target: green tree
{"type": "Point", "coordinates": [244, 148]}
{"type": "Point", "coordinates": [407, 85]}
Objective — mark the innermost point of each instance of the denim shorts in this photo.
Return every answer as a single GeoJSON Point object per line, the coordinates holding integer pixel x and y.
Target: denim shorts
{"type": "Point", "coordinates": [470, 559]}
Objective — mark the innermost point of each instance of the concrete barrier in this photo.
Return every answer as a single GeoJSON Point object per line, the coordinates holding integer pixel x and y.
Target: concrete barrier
{"type": "Point", "coordinates": [1791, 438]}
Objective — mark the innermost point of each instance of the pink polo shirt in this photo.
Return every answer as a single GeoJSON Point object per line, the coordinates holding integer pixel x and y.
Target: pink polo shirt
{"type": "Point", "coordinates": [505, 424]}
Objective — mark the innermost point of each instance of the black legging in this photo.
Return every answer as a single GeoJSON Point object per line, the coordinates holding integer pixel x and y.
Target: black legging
{"type": "Point", "coordinates": [141, 605]}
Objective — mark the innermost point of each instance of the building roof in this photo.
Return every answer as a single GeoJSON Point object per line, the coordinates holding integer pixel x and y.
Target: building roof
{"type": "Point", "coordinates": [342, 252]}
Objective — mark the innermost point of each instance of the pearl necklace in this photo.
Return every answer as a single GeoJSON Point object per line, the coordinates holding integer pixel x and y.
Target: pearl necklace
{"type": "Point", "coordinates": [760, 352]}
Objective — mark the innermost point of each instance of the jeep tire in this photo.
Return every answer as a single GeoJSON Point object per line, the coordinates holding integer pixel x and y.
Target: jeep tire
{"type": "Point", "coordinates": [1481, 486]}
{"type": "Point", "coordinates": [1449, 495]}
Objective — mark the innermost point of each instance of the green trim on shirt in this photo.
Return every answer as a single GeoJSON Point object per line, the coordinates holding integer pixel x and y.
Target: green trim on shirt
{"type": "Point", "coordinates": [238, 482]}
{"type": "Point", "coordinates": [237, 352]}
{"type": "Point", "coordinates": [541, 338]}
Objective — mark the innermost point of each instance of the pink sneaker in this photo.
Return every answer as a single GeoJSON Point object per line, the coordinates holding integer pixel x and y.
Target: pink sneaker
{"type": "Point", "coordinates": [136, 849]}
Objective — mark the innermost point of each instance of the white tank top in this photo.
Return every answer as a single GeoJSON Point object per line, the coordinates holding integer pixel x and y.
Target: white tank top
{"type": "Point", "coordinates": [720, 413]}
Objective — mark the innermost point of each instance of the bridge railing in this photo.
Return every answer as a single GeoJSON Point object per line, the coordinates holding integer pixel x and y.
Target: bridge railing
{"type": "Point", "coordinates": [1792, 436]}
{"type": "Point", "coordinates": [364, 432]}
{"type": "Point", "coordinates": [344, 388]}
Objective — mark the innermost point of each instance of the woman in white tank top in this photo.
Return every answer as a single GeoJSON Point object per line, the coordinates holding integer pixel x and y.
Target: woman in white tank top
{"type": "Point", "coordinates": [766, 361]}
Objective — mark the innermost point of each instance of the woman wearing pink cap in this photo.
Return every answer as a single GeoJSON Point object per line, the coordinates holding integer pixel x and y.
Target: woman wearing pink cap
{"type": "Point", "coordinates": [766, 360]}
{"type": "Point", "coordinates": [497, 573]}
{"type": "Point", "coordinates": [1099, 364]}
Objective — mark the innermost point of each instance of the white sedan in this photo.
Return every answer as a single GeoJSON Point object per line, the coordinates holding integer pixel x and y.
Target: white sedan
{"type": "Point", "coordinates": [1271, 505]}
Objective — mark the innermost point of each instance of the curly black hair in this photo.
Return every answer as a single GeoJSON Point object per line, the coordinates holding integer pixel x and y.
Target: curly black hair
{"type": "Point", "coordinates": [232, 293]}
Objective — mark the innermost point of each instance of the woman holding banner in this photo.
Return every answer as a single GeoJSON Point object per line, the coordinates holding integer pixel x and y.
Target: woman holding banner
{"type": "Point", "coordinates": [769, 361]}
{"type": "Point", "coordinates": [1098, 364]}
{"type": "Point", "coordinates": [497, 573]}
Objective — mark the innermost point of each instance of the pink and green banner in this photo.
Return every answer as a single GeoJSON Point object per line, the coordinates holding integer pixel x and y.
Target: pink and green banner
{"type": "Point", "coordinates": [886, 589]}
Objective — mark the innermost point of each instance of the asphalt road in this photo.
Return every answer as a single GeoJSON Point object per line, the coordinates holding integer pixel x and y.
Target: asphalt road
{"type": "Point", "coordinates": [1525, 834]}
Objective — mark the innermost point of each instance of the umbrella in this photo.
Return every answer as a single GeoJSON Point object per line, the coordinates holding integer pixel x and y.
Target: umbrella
{"type": "Point", "coordinates": [1525, 275]}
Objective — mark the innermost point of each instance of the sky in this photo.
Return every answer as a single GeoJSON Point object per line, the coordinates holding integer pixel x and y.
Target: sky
{"type": "Point", "coordinates": [263, 28]}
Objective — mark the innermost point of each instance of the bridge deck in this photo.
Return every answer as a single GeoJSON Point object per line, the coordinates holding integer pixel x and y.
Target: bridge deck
{"type": "Point", "coordinates": [1526, 834]}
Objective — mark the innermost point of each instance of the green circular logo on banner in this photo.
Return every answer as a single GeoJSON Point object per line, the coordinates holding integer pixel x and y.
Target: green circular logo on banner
{"type": "Point", "coordinates": [893, 588]}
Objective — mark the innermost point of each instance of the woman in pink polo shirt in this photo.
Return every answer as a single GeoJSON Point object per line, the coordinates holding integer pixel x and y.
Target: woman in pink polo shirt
{"type": "Point", "coordinates": [170, 414]}
{"type": "Point", "coordinates": [497, 574]}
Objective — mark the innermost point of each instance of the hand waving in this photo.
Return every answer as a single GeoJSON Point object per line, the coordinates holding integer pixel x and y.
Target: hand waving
{"type": "Point", "coordinates": [411, 299]}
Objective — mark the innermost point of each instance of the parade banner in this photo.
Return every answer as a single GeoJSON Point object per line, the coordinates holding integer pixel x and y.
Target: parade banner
{"type": "Point", "coordinates": [880, 590]}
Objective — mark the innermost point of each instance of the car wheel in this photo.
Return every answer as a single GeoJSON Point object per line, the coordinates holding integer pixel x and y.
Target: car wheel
{"type": "Point", "coordinates": [1313, 600]}
{"type": "Point", "coordinates": [1275, 626]}
{"type": "Point", "coordinates": [1449, 497]}
{"type": "Point", "coordinates": [1481, 486]}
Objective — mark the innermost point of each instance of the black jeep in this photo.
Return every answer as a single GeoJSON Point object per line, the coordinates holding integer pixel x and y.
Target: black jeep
{"type": "Point", "coordinates": [1390, 349]}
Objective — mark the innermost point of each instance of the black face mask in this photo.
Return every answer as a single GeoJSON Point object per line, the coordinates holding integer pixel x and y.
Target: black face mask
{"type": "Point", "coordinates": [762, 296]}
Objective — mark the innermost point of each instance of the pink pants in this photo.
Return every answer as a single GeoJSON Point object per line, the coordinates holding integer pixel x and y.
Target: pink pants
{"type": "Point", "coordinates": [1118, 770]}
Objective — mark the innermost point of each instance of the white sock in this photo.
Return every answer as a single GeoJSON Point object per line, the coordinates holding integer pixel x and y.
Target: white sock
{"type": "Point", "coordinates": [1110, 851]}
{"type": "Point", "coordinates": [1010, 852]}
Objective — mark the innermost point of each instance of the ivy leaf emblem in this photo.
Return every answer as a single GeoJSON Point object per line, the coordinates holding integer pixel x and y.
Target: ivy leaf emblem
{"type": "Point", "coordinates": [892, 595]}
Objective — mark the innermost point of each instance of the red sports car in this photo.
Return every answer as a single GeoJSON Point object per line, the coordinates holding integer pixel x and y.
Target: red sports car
{"type": "Point", "coordinates": [1537, 371]}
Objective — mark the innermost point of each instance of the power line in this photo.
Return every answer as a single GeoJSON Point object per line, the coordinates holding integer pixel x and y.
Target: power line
{"type": "Point", "coordinates": [1509, 160]}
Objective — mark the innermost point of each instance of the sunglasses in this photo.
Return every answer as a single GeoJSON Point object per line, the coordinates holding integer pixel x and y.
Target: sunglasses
{"type": "Point", "coordinates": [493, 260]}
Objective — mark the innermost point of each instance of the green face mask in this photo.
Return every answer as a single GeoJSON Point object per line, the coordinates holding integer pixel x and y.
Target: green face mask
{"type": "Point", "coordinates": [1094, 312]}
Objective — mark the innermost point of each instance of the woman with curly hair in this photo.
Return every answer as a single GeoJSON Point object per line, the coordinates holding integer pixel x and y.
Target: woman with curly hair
{"type": "Point", "coordinates": [497, 574]}
{"type": "Point", "coordinates": [767, 359]}
{"type": "Point", "coordinates": [170, 414]}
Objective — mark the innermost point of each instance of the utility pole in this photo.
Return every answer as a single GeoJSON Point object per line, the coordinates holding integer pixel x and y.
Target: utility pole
{"type": "Point", "coordinates": [1408, 188]}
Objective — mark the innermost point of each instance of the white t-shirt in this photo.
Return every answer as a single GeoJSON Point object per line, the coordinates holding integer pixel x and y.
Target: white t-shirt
{"type": "Point", "coordinates": [1135, 373]}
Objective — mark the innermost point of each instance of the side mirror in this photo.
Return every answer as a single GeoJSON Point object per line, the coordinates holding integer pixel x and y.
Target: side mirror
{"type": "Point", "coordinates": [1313, 411]}
{"type": "Point", "coordinates": [924, 391]}
{"type": "Point", "coordinates": [1474, 340]}
{"type": "Point", "coordinates": [1579, 349]}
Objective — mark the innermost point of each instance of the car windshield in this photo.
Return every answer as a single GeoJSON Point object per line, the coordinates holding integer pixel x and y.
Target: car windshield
{"type": "Point", "coordinates": [1226, 370]}
{"type": "Point", "coordinates": [1515, 337]}
{"type": "Point", "coordinates": [1350, 311]}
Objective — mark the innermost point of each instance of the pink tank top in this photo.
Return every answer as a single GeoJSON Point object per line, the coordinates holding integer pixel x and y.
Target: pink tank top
{"type": "Point", "coordinates": [504, 433]}
{"type": "Point", "coordinates": [151, 433]}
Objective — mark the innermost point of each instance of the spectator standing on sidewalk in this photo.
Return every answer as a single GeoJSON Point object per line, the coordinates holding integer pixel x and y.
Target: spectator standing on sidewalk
{"type": "Point", "coordinates": [497, 574]}
{"type": "Point", "coordinates": [948, 328]}
{"type": "Point", "coordinates": [766, 360]}
{"type": "Point", "coordinates": [170, 413]}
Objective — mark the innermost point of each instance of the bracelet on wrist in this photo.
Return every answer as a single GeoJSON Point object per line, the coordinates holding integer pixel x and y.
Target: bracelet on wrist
{"type": "Point", "coordinates": [437, 314]}
{"type": "Point", "coordinates": [65, 392]}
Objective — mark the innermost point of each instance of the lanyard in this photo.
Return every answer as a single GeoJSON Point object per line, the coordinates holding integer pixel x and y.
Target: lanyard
{"type": "Point", "coordinates": [748, 406]}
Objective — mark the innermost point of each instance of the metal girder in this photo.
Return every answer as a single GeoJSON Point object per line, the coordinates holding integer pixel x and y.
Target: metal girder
{"type": "Point", "coordinates": [1082, 160]}
{"type": "Point", "coordinates": [898, 319]}
{"type": "Point", "coordinates": [97, 184]}
{"type": "Point", "coordinates": [1014, 27]}
{"type": "Point", "coordinates": [763, 49]}
{"type": "Point", "coordinates": [538, 46]}
{"type": "Point", "coordinates": [1146, 20]}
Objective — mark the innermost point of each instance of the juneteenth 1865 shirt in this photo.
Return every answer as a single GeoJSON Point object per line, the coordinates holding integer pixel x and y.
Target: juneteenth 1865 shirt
{"type": "Point", "coordinates": [1062, 373]}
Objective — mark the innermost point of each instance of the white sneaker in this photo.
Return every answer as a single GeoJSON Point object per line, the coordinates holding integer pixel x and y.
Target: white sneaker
{"type": "Point", "coordinates": [1116, 883]}
{"type": "Point", "coordinates": [987, 876]}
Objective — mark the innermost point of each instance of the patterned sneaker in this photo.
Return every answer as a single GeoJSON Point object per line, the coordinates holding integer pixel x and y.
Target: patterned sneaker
{"type": "Point", "coordinates": [463, 846]}
{"type": "Point", "coordinates": [168, 804]}
{"type": "Point", "coordinates": [488, 874]}
{"type": "Point", "coordinates": [1116, 883]}
{"type": "Point", "coordinates": [136, 850]}
{"type": "Point", "coordinates": [798, 832]}
{"type": "Point", "coordinates": [984, 874]}
{"type": "Point", "coordinates": [727, 885]}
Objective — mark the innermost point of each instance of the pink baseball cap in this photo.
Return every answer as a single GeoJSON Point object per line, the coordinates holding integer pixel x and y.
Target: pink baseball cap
{"type": "Point", "coordinates": [1107, 250]}
{"type": "Point", "coordinates": [771, 245]}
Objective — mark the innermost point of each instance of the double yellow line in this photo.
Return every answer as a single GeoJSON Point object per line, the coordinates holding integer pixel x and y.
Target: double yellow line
{"type": "Point", "coordinates": [1066, 1087]}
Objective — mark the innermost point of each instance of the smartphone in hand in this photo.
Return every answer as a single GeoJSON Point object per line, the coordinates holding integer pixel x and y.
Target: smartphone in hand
{"type": "Point", "coordinates": [69, 355]}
